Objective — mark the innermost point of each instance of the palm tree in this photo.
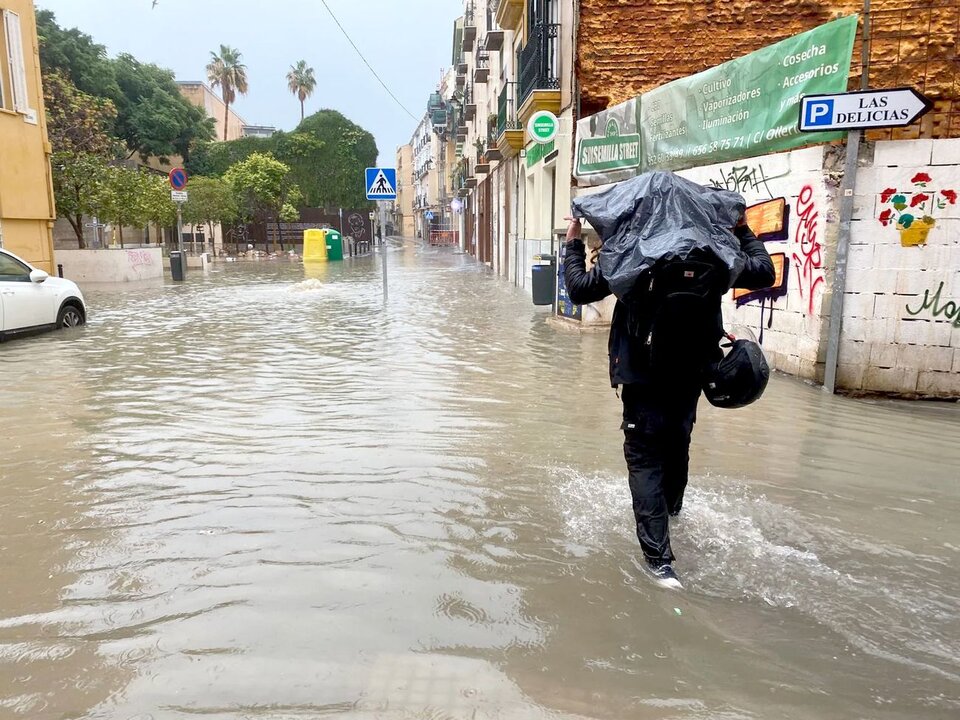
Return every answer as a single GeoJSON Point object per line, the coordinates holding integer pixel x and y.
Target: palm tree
{"type": "Point", "coordinates": [301, 82]}
{"type": "Point", "coordinates": [230, 75]}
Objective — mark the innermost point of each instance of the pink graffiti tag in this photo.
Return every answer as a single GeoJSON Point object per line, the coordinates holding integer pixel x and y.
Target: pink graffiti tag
{"type": "Point", "coordinates": [139, 258]}
{"type": "Point", "coordinates": [810, 257]}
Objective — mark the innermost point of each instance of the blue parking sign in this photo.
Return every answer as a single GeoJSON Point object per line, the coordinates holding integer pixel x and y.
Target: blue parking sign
{"type": "Point", "coordinates": [818, 113]}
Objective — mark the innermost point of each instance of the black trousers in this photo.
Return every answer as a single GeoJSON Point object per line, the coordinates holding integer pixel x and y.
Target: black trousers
{"type": "Point", "coordinates": [657, 424]}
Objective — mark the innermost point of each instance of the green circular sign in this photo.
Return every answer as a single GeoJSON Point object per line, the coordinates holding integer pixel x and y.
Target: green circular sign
{"type": "Point", "coordinates": [543, 126]}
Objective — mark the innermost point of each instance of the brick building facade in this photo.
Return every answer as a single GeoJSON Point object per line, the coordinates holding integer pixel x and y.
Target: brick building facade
{"type": "Point", "coordinates": [623, 49]}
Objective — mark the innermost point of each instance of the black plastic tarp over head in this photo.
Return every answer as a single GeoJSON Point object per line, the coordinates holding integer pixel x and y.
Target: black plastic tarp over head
{"type": "Point", "coordinates": [661, 216]}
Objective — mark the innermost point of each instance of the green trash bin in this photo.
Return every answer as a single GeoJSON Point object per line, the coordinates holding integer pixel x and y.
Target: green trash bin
{"type": "Point", "coordinates": [334, 245]}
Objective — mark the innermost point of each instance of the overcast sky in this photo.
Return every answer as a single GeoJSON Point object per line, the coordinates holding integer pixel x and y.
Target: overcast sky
{"type": "Point", "coordinates": [406, 41]}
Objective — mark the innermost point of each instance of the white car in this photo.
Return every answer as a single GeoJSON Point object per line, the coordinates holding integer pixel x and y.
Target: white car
{"type": "Point", "coordinates": [32, 301]}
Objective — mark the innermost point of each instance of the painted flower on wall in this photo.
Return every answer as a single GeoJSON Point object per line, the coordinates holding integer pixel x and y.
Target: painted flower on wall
{"type": "Point", "coordinates": [912, 210]}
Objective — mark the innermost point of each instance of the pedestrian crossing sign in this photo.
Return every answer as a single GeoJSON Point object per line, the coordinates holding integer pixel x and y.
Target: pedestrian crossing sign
{"type": "Point", "coordinates": [381, 183]}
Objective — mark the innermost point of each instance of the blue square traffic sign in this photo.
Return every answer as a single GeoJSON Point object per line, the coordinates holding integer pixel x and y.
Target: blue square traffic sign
{"type": "Point", "coordinates": [381, 183]}
{"type": "Point", "coordinates": [818, 113]}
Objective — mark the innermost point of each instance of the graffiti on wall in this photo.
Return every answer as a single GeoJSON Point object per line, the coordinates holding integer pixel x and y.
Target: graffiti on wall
{"type": "Point", "coordinates": [139, 259]}
{"type": "Point", "coordinates": [808, 252]}
{"type": "Point", "coordinates": [935, 305]}
{"type": "Point", "coordinates": [744, 179]}
{"type": "Point", "coordinates": [770, 222]}
{"type": "Point", "coordinates": [912, 211]}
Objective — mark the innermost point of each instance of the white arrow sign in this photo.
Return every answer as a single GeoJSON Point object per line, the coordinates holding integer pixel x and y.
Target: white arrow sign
{"type": "Point", "coordinates": [896, 107]}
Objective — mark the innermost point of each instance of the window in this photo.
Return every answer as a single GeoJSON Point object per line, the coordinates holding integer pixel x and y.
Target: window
{"type": "Point", "coordinates": [13, 71]}
{"type": "Point", "coordinates": [12, 270]}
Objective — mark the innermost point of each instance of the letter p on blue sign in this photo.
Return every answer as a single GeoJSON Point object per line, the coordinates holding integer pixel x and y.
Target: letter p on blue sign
{"type": "Point", "coordinates": [818, 113]}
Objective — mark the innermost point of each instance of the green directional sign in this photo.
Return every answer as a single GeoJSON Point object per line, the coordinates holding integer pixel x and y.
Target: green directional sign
{"type": "Point", "coordinates": [543, 127]}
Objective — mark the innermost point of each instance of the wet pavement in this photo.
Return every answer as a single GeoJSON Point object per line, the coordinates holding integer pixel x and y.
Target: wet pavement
{"type": "Point", "coordinates": [260, 495]}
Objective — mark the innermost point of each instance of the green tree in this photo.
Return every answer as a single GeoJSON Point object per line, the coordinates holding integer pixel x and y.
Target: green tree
{"type": "Point", "coordinates": [226, 72]}
{"type": "Point", "coordinates": [213, 159]}
{"type": "Point", "coordinates": [301, 82]}
{"type": "Point", "coordinates": [76, 56]}
{"type": "Point", "coordinates": [78, 128]}
{"type": "Point", "coordinates": [158, 209]}
{"type": "Point", "coordinates": [289, 214]}
{"type": "Point", "coordinates": [262, 186]}
{"type": "Point", "coordinates": [154, 118]}
{"type": "Point", "coordinates": [330, 172]}
{"type": "Point", "coordinates": [123, 200]}
{"type": "Point", "coordinates": [78, 185]}
{"type": "Point", "coordinates": [212, 201]}
{"type": "Point", "coordinates": [77, 123]}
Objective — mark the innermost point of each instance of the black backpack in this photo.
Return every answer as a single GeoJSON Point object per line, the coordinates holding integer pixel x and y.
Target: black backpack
{"type": "Point", "coordinates": [673, 313]}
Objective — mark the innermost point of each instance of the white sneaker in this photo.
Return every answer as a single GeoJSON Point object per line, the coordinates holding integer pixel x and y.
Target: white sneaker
{"type": "Point", "coordinates": [665, 577]}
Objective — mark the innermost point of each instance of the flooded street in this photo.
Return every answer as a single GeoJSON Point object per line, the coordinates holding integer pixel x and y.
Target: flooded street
{"type": "Point", "coordinates": [260, 495]}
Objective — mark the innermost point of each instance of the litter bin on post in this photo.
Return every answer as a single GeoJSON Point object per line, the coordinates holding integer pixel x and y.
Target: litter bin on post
{"type": "Point", "coordinates": [544, 279]}
{"type": "Point", "coordinates": [178, 265]}
{"type": "Point", "coordinates": [334, 245]}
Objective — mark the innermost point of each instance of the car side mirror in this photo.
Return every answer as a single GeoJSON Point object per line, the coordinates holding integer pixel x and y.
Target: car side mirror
{"type": "Point", "coordinates": [38, 276]}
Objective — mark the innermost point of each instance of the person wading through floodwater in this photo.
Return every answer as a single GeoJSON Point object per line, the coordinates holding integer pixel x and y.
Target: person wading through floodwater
{"type": "Point", "coordinates": [664, 336]}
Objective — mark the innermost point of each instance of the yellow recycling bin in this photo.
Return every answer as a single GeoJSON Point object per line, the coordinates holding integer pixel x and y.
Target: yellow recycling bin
{"type": "Point", "coordinates": [314, 246]}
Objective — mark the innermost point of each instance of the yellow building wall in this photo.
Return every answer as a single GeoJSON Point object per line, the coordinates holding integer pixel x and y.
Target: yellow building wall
{"type": "Point", "coordinates": [202, 96]}
{"type": "Point", "coordinates": [26, 190]}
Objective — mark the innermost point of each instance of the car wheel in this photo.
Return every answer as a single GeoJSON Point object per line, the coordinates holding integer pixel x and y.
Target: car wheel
{"type": "Point", "coordinates": [70, 316]}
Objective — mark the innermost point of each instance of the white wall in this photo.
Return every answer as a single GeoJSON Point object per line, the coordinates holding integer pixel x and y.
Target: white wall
{"type": "Point", "coordinates": [111, 265]}
{"type": "Point", "coordinates": [901, 319]}
{"type": "Point", "coordinates": [789, 325]}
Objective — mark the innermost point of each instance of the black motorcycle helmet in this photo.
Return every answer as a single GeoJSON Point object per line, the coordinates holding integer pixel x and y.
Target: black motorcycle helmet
{"type": "Point", "coordinates": [740, 378]}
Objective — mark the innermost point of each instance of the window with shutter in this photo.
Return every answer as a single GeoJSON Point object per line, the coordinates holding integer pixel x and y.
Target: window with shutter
{"type": "Point", "coordinates": [16, 64]}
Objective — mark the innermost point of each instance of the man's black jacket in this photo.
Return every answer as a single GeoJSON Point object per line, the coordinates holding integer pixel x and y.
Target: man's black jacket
{"type": "Point", "coordinates": [587, 287]}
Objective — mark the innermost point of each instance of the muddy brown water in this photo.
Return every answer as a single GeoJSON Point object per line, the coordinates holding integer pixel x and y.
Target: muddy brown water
{"type": "Point", "coordinates": [260, 495]}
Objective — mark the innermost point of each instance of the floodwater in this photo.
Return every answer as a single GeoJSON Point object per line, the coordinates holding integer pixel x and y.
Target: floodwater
{"type": "Point", "coordinates": [260, 495]}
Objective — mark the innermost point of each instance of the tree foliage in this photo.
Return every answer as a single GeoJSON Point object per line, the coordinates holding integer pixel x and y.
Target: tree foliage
{"type": "Point", "coordinates": [226, 72]}
{"type": "Point", "coordinates": [212, 201]}
{"type": "Point", "coordinates": [124, 198]}
{"type": "Point", "coordinates": [78, 188]}
{"type": "Point", "coordinates": [326, 154]}
{"type": "Point", "coordinates": [153, 118]}
{"type": "Point", "coordinates": [301, 82]}
{"type": "Point", "coordinates": [262, 186]}
{"type": "Point", "coordinates": [77, 123]}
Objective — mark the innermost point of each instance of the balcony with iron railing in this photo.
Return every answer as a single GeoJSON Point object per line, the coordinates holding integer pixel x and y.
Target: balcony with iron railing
{"type": "Point", "coordinates": [482, 166]}
{"type": "Point", "coordinates": [493, 150]}
{"type": "Point", "coordinates": [539, 71]}
{"type": "Point", "coordinates": [493, 41]}
{"type": "Point", "coordinates": [481, 70]}
{"type": "Point", "coordinates": [509, 128]}
{"type": "Point", "coordinates": [469, 103]}
{"type": "Point", "coordinates": [469, 27]}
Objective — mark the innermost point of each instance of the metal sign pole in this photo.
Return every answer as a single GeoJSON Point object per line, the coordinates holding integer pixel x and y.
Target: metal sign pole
{"type": "Point", "coordinates": [179, 226]}
{"type": "Point", "coordinates": [383, 253]}
{"type": "Point", "coordinates": [848, 189]}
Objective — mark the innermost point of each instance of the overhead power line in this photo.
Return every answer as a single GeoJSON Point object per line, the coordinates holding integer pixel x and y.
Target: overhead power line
{"type": "Point", "coordinates": [349, 40]}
